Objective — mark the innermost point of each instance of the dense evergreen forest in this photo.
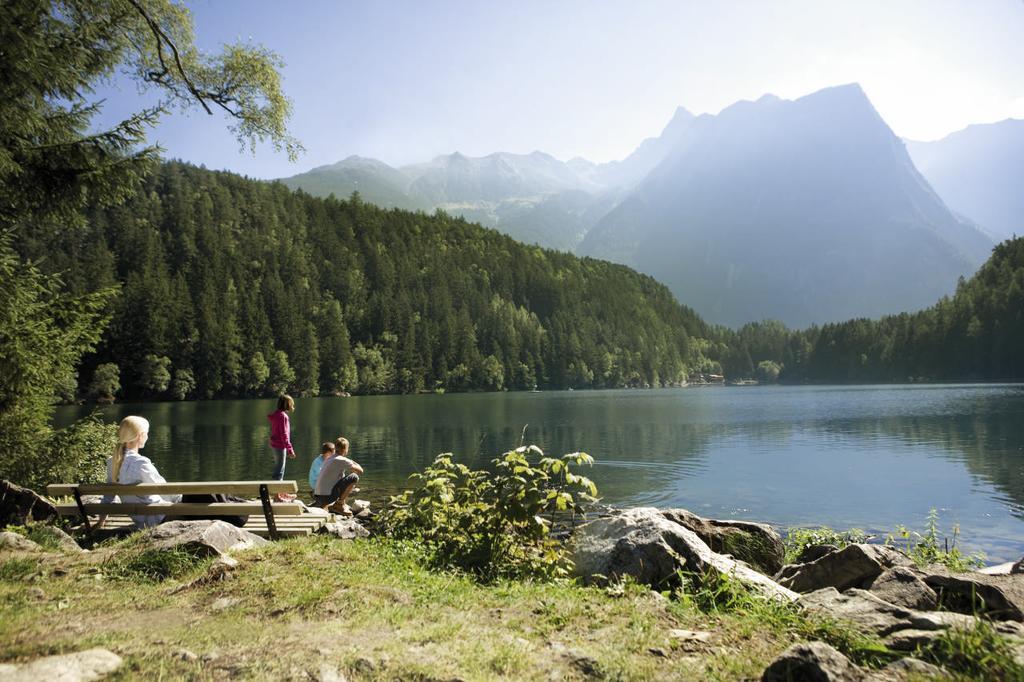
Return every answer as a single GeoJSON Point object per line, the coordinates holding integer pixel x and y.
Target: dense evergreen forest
{"type": "Point", "coordinates": [233, 287]}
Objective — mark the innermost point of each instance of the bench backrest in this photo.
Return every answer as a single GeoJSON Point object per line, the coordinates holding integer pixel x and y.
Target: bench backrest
{"type": "Point", "coordinates": [243, 488]}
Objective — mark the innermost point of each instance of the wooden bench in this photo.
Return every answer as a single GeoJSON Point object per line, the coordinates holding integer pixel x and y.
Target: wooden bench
{"type": "Point", "coordinates": [266, 518]}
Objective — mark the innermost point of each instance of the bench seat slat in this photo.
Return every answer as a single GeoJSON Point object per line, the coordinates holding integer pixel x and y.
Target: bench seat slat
{"type": "Point", "coordinates": [182, 508]}
{"type": "Point", "coordinates": [246, 488]}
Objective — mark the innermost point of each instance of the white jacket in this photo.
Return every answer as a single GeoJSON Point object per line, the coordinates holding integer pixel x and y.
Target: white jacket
{"type": "Point", "coordinates": [138, 469]}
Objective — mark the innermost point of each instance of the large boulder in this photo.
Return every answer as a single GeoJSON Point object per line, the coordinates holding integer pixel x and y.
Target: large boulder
{"type": "Point", "coordinates": [20, 505]}
{"type": "Point", "coordinates": [757, 544]}
{"type": "Point", "coordinates": [898, 627]}
{"type": "Point", "coordinates": [82, 666]}
{"type": "Point", "coordinates": [852, 566]}
{"type": "Point", "coordinates": [201, 537]}
{"type": "Point", "coordinates": [999, 597]}
{"type": "Point", "coordinates": [811, 662]}
{"type": "Point", "coordinates": [642, 543]}
{"type": "Point", "coordinates": [903, 586]}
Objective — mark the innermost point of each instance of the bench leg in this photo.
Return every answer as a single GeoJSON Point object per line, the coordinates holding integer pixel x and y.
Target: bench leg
{"type": "Point", "coordinates": [81, 510]}
{"type": "Point", "coordinates": [268, 512]}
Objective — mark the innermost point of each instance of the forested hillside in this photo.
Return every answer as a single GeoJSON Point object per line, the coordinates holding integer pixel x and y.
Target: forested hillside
{"type": "Point", "coordinates": [233, 287]}
{"type": "Point", "coordinates": [978, 333]}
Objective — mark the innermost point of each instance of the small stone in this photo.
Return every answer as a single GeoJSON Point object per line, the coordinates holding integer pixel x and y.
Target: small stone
{"type": "Point", "coordinates": [358, 506]}
{"type": "Point", "coordinates": [363, 665]}
{"type": "Point", "coordinates": [657, 651]}
{"type": "Point", "coordinates": [812, 661]}
{"type": "Point", "coordinates": [185, 655]}
{"type": "Point", "coordinates": [328, 673]}
{"type": "Point", "coordinates": [690, 635]}
{"type": "Point", "coordinates": [36, 593]}
{"type": "Point", "coordinates": [913, 668]}
{"type": "Point", "coordinates": [223, 603]}
{"type": "Point", "coordinates": [82, 666]}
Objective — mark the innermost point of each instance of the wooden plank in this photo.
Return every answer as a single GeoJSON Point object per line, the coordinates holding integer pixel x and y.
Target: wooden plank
{"type": "Point", "coordinates": [283, 532]}
{"type": "Point", "coordinates": [250, 488]}
{"type": "Point", "coordinates": [182, 508]}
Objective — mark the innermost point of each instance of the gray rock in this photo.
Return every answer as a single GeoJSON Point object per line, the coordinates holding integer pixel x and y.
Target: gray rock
{"type": "Point", "coordinates": [91, 664]}
{"type": "Point", "coordinates": [909, 669]}
{"type": "Point", "coordinates": [185, 655]}
{"type": "Point", "coordinates": [345, 529]}
{"type": "Point", "coordinates": [999, 597]}
{"type": "Point", "coordinates": [814, 552]}
{"type": "Point", "coordinates": [852, 566]}
{"type": "Point", "coordinates": [204, 538]}
{"type": "Point", "coordinates": [19, 543]}
{"type": "Point", "coordinates": [358, 506]}
{"type": "Point", "coordinates": [757, 544]}
{"type": "Point", "coordinates": [811, 662]}
{"type": "Point", "coordinates": [898, 627]}
{"type": "Point", "coordinates": [903, 586]}
{"type": "Point", "coordinates": [998, 569]}
{"type": "Point", "coordinates": [642, 543]}
{"type": "Point", "coordinates": [20, 505]}
{"type": "Point", "coordinates": [1018, 567]}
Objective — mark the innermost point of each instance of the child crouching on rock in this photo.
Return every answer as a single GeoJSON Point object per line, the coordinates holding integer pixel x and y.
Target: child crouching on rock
{"type": "Point", "coordinates": [338, 476]}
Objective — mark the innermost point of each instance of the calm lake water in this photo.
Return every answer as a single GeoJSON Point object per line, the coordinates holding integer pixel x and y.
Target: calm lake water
{"type": "Point", "coordinates": [863, 456]}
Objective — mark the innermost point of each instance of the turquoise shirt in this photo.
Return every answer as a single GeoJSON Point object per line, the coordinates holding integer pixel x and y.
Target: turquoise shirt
{"type": "Point", "coordinates": [314, 471]}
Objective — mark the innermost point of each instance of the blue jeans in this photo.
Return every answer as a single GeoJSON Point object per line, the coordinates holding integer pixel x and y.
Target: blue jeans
{"type": "Point", "coordinates": [280, 454]}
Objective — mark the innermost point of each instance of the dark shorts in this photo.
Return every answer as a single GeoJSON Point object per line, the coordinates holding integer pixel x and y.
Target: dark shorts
{"type": "Point", "coordinates": [336, 491]}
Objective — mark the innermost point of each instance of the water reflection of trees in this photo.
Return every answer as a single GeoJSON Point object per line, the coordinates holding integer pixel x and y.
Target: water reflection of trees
{"type": "Point", "coordinates": [987, 436]}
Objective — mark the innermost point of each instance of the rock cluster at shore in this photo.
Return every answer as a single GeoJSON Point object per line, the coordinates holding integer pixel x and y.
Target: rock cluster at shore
{"type": "Point", "coordinates": [877, 590]}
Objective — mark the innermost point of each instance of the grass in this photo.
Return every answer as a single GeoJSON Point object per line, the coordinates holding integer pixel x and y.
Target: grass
{"type": "Point", "coordinates": [371, 610]}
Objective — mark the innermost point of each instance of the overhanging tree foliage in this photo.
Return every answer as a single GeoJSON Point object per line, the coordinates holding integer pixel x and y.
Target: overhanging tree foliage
{"type": "Point", "coordinates": [53, 54]}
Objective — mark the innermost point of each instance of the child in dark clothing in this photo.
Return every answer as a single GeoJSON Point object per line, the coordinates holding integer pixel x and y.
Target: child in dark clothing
{"type": "Point", "coordinates": [338, 476]}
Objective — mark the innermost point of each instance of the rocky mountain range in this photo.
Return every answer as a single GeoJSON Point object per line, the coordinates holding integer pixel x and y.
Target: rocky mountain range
{"type": "Point", "coordinates": [806, 211]}
{"type": "Point", "coordinates": [979, 172]}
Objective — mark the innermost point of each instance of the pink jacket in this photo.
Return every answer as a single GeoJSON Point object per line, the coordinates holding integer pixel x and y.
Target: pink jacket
{"type": "Point", "coordinates": [280, 431]}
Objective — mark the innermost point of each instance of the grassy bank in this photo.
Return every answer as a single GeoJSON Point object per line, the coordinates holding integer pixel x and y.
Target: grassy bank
{"type": "Point", "coordinates": [368, 610]}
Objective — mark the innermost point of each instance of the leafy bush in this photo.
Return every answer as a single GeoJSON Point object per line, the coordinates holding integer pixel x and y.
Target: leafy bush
{"type": "Point", "coordinates": [151, 565]}
{"type": "Point", "coordinates": [978, 652]}
{"type": "Point", "coordinates": [925, 548]}
{"type": "Point", "coordinates": [493, 524]}
{"type": "Point", "coordinates": [14, 570]}
{"type": "Point", "coordinates": [799, 539]}
{"type": "Point", "coordinates": [39, 533]}
{"type": "Point", "coordinates": [79, 452]}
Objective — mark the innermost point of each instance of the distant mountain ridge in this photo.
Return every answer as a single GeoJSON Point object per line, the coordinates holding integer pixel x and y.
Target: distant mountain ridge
{"type": "Point", "coordinates": [806, 211]}
{"type": "Point", "coordinates": [979, 172]}
{"type": "Point", "coordinates": [534, 197]}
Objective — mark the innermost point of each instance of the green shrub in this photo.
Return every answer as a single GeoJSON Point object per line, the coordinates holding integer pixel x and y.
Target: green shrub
{"type": "Point", "coordinates": [978, 652]}
{"type": "Point", "coordinates": [38, 533]}
{"type": "Point", "coordinates": [493, 524]}
{"type": "Point", "coordinates": [79, 452]}
{"type": "Point", "coordinates": [799, 539]}
{"type": "Point", "coordinates": [13, 570]}
{"type": "Point", "coordinates": [926, 548]}
{"type": "Point", "coordinates": [151, 565]}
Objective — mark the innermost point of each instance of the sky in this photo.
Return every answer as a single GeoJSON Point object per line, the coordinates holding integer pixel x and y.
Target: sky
{"type": "Point", "coordinates": [404, 82]}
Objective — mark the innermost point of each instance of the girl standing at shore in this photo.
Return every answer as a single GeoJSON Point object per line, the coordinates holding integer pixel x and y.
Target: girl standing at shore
{"type": "Point", "coordinates": [280, 440]}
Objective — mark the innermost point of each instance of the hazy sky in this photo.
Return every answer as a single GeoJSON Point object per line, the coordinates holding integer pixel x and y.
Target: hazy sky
{"type": "Point", "coordinates": [406, 81]}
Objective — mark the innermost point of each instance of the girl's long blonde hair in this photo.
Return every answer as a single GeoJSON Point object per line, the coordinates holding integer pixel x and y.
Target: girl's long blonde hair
{"type": "Point", "coordinates": [130, 430]}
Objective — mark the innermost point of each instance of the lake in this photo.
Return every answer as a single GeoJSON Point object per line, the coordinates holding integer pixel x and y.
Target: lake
{"type": "Point", "coordinates": [869, 457]}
